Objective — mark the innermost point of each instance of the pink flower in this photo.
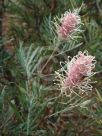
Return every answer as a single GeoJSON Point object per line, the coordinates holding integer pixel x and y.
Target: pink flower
{"type": "Point", "coordinates": [80, 66]}
{"type": "Point", "coordinates": [69, 23]}
{"type": "Point", "coordinates": [78, 73]}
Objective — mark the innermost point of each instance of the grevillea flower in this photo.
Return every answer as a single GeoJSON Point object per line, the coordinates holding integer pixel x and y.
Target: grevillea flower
{"type": "Point", "coordinates": [78, 73]}
{"type": "Point", "coordinates": [68, 24]}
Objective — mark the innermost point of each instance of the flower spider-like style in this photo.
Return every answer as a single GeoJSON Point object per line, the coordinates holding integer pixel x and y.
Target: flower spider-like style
{"type": "Point", "coordinates": [76, 76]}
{"type": "Point", "coordinates": [68, 24]}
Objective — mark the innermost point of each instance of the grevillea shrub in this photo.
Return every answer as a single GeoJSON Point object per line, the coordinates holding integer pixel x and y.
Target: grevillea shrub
{"type": "Point", "coordinates": [30, 104]}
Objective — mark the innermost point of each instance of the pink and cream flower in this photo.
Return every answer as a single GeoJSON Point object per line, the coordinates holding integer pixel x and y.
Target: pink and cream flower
{"type": "Point", "coordinates": [68, 24]}
{"type": "Point", "coordinates": [77, 74]}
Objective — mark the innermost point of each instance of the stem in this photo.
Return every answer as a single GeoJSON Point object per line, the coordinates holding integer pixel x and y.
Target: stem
{"type": "Point", "coordinates": [29, 103]}
{"type": "Point", "coordinates": [28, 117]}
{"type": "Point", "coordinates": [51, 56]}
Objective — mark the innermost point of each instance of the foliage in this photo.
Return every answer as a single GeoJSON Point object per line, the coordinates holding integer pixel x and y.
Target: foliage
{"type": "Point", "coordinates": [30, 104]}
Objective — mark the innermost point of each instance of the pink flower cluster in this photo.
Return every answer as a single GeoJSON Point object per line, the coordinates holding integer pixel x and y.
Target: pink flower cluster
{"type": "Point", "coordinates": [68, 24]}
{"type": "Point", "coordinates": [80, 66]}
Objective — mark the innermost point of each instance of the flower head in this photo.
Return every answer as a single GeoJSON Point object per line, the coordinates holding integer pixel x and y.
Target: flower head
{"type": "Point", "coordinates": [78, 73]}
{"type": "Point", "coordinates": [68, 24]}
